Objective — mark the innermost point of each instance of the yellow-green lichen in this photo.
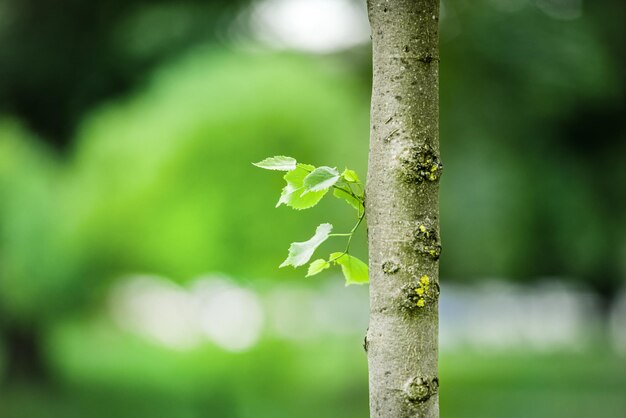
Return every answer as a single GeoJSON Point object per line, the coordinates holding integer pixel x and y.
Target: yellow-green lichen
{"type": "Point", "coordinates": [421, 293]}
{"type": "Point", "coordinates": [421, 164]}
{"type": "Point", "coordinates": [426, 241]}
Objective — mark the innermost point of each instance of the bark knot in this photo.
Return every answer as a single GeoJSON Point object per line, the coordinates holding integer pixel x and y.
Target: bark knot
{"type": "Point", "coordinates": [426, 241]}
{"type": "Point", "coordinates": [419, 390]}
{"type": "Point", "coordinates": [390, 267]}
{"type": "Point", "coordinates": [419, 294]}
{"type": "Point", "coordinates": [427, 58]}
{"type": "Point", "coordinates": [420, 164]}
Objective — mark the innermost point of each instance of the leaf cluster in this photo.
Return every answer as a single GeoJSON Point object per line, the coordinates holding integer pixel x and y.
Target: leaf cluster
{"type": "Point", "coordinates": [306, 186]}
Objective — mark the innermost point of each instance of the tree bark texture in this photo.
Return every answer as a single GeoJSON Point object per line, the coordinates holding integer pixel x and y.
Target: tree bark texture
{"type": "Point", "coordinates": [402, 204]}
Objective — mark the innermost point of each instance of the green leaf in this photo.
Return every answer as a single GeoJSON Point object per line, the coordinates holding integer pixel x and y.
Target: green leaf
{"type": "Point", "coordinates": [353, 201]}
{"type": "Point", "coordinates": [317, 266]}
{"type": "Point", "coordinates": [321, 178]}
{"type": "Point", "coordinates": [300, 252]}
{"type": "Point", "coordinates": [350, 176]}
{"type": "Point", "coordinates": [279, 162]}
{"type": "Point", "coordinates": [354, 270]}
{"type": "Point", "coordinates": [293, 193]}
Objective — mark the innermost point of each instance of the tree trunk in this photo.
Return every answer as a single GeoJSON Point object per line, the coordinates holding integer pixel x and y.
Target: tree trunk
{"type": "Point", "coordinates": [402, 204]}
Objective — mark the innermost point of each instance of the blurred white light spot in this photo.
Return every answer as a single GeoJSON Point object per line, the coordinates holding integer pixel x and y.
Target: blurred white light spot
{"type": "Point", "coordinates": [214, 309]}
{"type": "Point", "coordinates": [289, 310]}
{"type": "Point", "coordinates": [230, 316]}
{"type": "Point", "coordinates": [297, 312]}
{"type": "Point", "coordinates": [562, 9]}
{"type": "Point", "coordinates": [505, 316]}
{"type": "Point", "coordinates": [618, 323]}
{"type": "Point", "coordinates": [311, 25]}
{"type": "Point", "coordinates": [157, 309]}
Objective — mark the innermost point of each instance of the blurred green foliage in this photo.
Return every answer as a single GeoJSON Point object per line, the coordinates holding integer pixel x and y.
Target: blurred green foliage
{"type": "Point", "coordinates": [160, 117]}
{"type": "Point", "coordinates": [532, 138]}
{"type": "Point", "coordinates": [163, 182]}
{"type": "Point", "coordinates": [312, 379]}
{"type": "Point", "coordinates": [59, 60]}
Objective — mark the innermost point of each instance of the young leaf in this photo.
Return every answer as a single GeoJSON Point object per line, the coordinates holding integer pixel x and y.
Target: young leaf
{"type": "Point", "coordinates": [354, 270]}
{"type": "Point", "coordinates": [317, 266]}
{"type": "Point", "coordinates": [300, 252]}
{"type": "Point", "coordinates": [353, 201]}
{"type": "Point", "coordinates": [350, 176]}
{"type": "Point", "coordinates": [280, 162]}
{"type": "Point", "coordinates": [321, 178]}
{"type": "Point", "coordinates": [292, 194]}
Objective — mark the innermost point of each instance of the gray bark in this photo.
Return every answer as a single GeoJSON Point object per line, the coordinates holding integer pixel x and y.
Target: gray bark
{"type": "Point", "coordinates": [402, 206]}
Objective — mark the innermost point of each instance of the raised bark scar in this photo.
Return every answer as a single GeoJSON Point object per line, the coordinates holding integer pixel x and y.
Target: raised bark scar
{"type": "Point", "coordinates": [423, 292]}
{"type": "Point", "coordinates": [426, 241]}
{"type": "Point", "coordinates": [419, 390]}
{"type": "Point", "coordinates": [420, 164]}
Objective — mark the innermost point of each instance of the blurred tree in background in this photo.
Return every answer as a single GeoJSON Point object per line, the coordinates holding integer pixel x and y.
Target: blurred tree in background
{"type": "Point", "coordinates": [60, 59]}
{"type": "Point", "coordinates": [532, 120]}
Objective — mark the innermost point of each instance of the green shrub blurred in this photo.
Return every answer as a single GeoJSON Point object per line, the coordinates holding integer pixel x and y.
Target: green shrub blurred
{"type": "Point", "coordinates": [163, 182]}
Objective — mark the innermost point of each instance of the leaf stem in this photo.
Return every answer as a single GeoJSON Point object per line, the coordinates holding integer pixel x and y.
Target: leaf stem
{"type": "Point", "coordinates": [350, 192]}
{"type": "Point", "coordinates": [338, 257]}
{"type": "Point", "coordinates": [353, 230]}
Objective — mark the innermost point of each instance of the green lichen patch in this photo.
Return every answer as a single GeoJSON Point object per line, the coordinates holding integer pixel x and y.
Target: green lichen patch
{"type": "Point", "coordinates": [421, 164]}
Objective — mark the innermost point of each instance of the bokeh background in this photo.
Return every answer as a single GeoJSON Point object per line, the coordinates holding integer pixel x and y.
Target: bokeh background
{"type": "Point", "coordinates": [139, 247]}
